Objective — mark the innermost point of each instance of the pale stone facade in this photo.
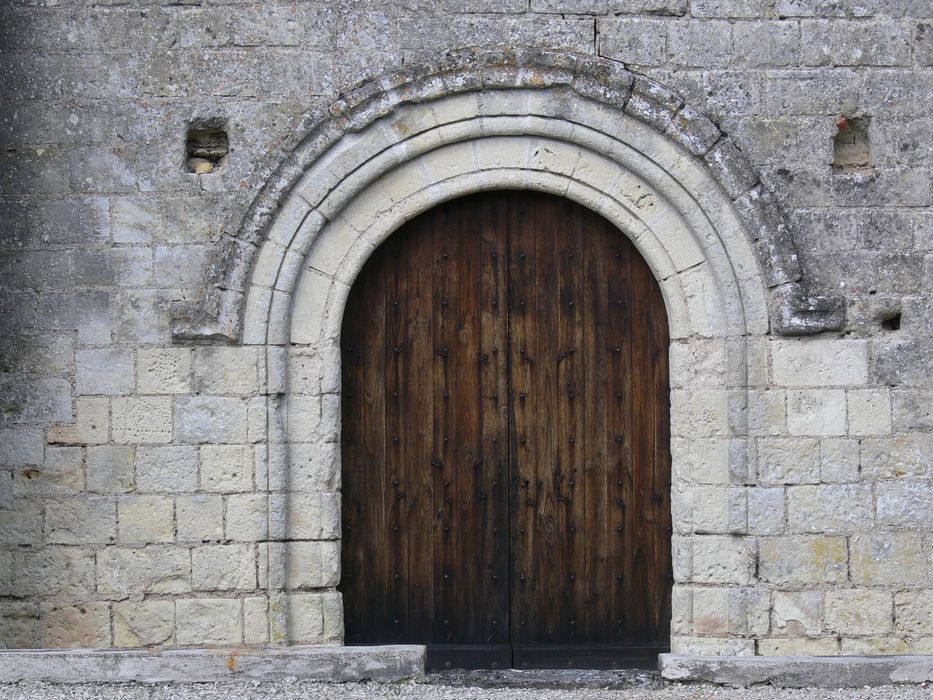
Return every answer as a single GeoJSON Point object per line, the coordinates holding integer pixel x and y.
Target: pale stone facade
{"type": "Point", "coordinates": [170, 365]}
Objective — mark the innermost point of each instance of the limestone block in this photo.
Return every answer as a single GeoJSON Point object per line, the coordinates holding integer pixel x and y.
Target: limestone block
{"type": "Point", "coordinates": [913, 409]}
{"type": "Point", "coordinates": [315, 618]}
{"type": "Point", "coordinates": [718, 559]}
{"type": "Point", "coordinates": [824, 646]}
{"type": "Point", "coordinates": [766, 413]}
{"type": "Point", "coordinates": [721, 612]}
{"type": "Point", "coordinates": [797, 613]}
{"type": "Point", "coordinates": [143, 623]}
{"type": "Point", "coordinates": [104, 371]}
{"type": "Point", "coordinates": [699, 414]}
{"type": "Point", "coordinates": [110, 469]}
{"type": "Point", "coordinates": [788, 460]}
{"type": "Point", "coordinates": [719, 510]}
{"type": "Point", "coordinates": [766, 511]}
{"type": "Point", "coordinates": [166, 469]}
{"type": "Point", "coordinates": [62, 473]}
{"type": "Point", "coordinates": [314, 467]}
{"type": "Point", "coordinates": [869, 411]}
{"type": "Point", "coordinates": [313, 564]}
{"type": "Point", "coordinates": [829, 508]}
{"type": "Point", "coordinates": [874, 646]}
{"type": "Point", "coordinates": [21, 447]}
{"type": "Point", "coordinates": [816, 412]}
{"type": "Point", "coordinates": [905, 504]}
{"type": "Point", "coordinates": [893, 558]}
{"type": "Point", "coordinates": [54, 571]}
{"type": "Point", "coordinates": [163, 370]}
{"type": "Point", "coordinates": [145, 519]}
{"type": "Point", "coordinates": [802, 560]}
{"type": "Point", "coordinates": [20, 521]}
{"type": "Point", "coordinates": [247, 518]}
{"type": "Point", "coordinates": [909, 455]}
{"type": "Point", "coordinates": [698, 362]}
{"type": "Point", "coordinates": [19, 625]}
{"type": "Point", "coordinates": [819, 362]}
{"type": "Point", "coordinates": [214, 419]}
{"type": "Point", "coordinates": [704, 460]}
{"type": "Point", "coordinates": [75, 626]}
{"type": "Point", "coordinates": [199, 518]}
{"type": "Point", "coordinates": [304, 417]}
{"type": "Point", "coordinates": [227, 468]}
{"type": "Point", "coordinates": [256, 620]}
{"type": "Point", "coordinates": [223, 567]}
{"type": "Point", "coordinates": [81, 521]}
{"type": "Point", "coordinates": [839, 460]}
{"type": "Point", "coordinates": [259, 424]}
{"type": "Point", "coordinates": [143, 420]}
{"type": "Point", "coordinates": [314, 516]}
{"type": "Point", "coordinates": [858, 611]}
{"type": "Point", "coordinates": [207, 622]}
{"type": "Point", "coordinates": [136, 572]}
{"type": "Point", "coordinates": [227, 370]}
{"type": "Point", "coordinates": [711, 646]}
{"type": "Point", "coordinates": [91, 427]}
{"type": "Point", "coordinates": [913, 611]}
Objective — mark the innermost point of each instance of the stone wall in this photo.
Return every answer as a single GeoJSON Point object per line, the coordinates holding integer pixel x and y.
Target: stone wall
{"type": "Point", "coordinates": [143, 501]}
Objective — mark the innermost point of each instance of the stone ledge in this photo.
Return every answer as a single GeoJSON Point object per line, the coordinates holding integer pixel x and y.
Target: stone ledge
{"type": "Point", "coordinates": [798, 671]}
{"type": "Point", "coordinates": [336, 664]}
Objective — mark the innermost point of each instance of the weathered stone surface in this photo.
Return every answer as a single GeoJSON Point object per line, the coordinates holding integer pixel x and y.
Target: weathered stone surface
{"type": "Point", "coordinates": [85, 521]}
{"type": "Point", "coordinates": [788, 461]}
{"type": "Point", "coordinates": [819, 362]}
{"type": "Point", "coordinates": [135, 572]}
{"type": "Point", "coordinates": [894, 558]}
{"type": "Point", "coordinates": [913, 611]}
{"type": "Point", "coordinates": [166, 469]}
{"type": "Point", "coordinates": [906, 504]}
{"type": "Point", "coordinates": [227, 468]}
{"type": "Point", "coordinates": [206, 419]}
{"type": "Point", "coordinates": [145, 519]}
{"type": "Point", "coordinates": [835, 508]}
{"type": "Point", "coordinates": [797, 613]}
{"type": "Point", "coordinates": [143, 623]}
{"type": "Point", "coordinates": [163, 370]}
{"type": "Point", "coordinates": [802, 560]}
{"type": "Point", "coordinates": [199, 518]}
{"type": "Point", "coordinates": [858, 611]}
{"type": "Point", "coordinates": [85, 625]}
{"type": "Point", "coordinates": [142, 420]}
{"type": "Point", "coordinates": [223, 567]}
{"type": "Point", "coordinates": [110, 469]}
{"type": "Point", "coordinates": [209, 621]}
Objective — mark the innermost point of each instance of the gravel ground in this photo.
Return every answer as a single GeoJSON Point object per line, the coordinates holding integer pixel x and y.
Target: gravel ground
{"type": "Point", "coordinates": [508, 685]}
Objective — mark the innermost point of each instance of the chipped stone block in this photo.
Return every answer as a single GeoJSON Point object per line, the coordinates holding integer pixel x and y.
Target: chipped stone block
{"type": "Point", "coordinates": [913, 611]}
{"type": "Point", "coordinates": [797, 613]}
{"type": "Point", "coordinates": [905, 504]}
{"type": "Point", "coordinates": [903, 456]}
{"type": "Point", "coordinates": [56, 570]}
{"type": "Point", "coordinates": [143, 623]}
{"type": "Point", "coordinates": [788, 460]}
{"type": "Point", "coordinates": [62, 473]}
{"type": "Point", "coordinates": [718, 559]}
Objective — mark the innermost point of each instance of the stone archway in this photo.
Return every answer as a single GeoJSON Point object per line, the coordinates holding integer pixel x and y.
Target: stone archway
{"type": "Point", "coordinates": [567, 125]}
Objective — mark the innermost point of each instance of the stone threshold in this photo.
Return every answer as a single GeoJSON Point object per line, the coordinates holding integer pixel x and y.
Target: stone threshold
{"type": "Point", "coordinates": [798, 671]}
{"type": "Point", "coordinates": [335, 664]}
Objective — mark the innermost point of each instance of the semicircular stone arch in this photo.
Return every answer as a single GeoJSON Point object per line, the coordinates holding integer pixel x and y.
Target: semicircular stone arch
{"type": "Point", "coordinates": [567, 125]}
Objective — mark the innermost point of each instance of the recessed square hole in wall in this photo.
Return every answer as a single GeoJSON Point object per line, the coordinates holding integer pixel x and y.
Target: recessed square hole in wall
{"type": "Point", "coordinates": [206, 146]}
{"type": "Point", "coordinates": [891, 323]}
{"type": "Point", "coordinates": [851, 147]}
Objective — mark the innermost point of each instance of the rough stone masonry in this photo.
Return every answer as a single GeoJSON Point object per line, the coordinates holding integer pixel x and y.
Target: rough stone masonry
{"type": "Point", "coordinates": [147, 498]}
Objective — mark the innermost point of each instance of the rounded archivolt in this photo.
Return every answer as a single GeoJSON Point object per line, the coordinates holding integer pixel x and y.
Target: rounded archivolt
{"type": "Point", "coordinates": [364, 124]}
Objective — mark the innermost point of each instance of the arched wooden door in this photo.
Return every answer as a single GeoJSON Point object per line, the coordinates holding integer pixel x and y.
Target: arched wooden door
{"type": "Point", "coordinates": [506, 452]}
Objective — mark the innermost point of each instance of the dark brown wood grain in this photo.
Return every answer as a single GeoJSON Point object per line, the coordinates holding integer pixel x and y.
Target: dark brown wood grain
{"type": "Point", "coordinates": [506, 454]}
